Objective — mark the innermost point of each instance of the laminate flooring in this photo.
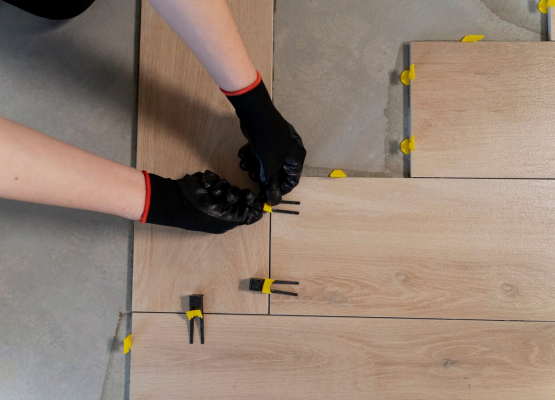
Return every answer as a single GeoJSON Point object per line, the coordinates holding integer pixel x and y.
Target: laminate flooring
{"type": "Point", "coordinates": [424, 248]}
{"type": "Point", "coordinates": [187, 125]}
{"type": "Point", "coordinates": [478, 110]}
{"type": "Point", "coordinates": [455, 273]}
{"type": "Point", "coordinates": [273, 357]}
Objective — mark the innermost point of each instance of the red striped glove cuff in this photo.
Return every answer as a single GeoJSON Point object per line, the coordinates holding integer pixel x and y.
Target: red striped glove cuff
{"type": "Point", "coordinates": [245, 90]}
{"type": "Point", "coordinates": [147, 200]}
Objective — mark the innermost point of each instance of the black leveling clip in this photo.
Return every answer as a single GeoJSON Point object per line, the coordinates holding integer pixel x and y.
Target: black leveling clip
{"type": "Point", "coordinates": [265, 286]}
{"type": "Point", "coordinates": [270, 209]}
{"type": "Point", "coordinates": [195, 305]}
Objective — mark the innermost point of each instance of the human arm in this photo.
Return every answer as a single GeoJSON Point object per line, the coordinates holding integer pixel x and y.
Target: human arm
{"type": "Point", "coordinates": [274, 154]}
{"type": "Point", "coordinates": [37, 168]}
{"type": "Point", "coordinates": [209, 30]}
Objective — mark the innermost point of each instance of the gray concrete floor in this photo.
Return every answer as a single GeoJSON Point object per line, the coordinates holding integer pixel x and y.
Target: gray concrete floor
{"type": "Point", "coordinates": [65, 274]}
{"type": "Point", "coordinates": [337, 67]}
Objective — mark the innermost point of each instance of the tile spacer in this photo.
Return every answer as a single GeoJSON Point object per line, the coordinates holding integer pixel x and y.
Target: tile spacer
{"type": "Point", "coordinates": [127, 344]}
{"type": "Point", "coordinates": [196, 307]}
{"type": "Point", "coordinates": [337, 173]}
{"type": "Point", "coordinates": [265, 286]}
{"type": "Point", "coordinates": [408, 75]}
{"type": "Point", "coordinates": [194, 313]}
{"type": "Point", "coordinates": [269, 209]}
{"type": "Point", "coordinates": [407, 145]}
{"type": "Point", "coordinates": [472, 38]}
{"type": "Point", "coordinates": [543, 5]}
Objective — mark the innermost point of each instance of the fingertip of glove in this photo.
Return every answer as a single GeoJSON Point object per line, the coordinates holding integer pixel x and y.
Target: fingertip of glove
{"type": "Point", "coordinates": [273, 197]}
{"type": "Point", "coordinates": [232, 196]}
{"type": "Point", "coordinates": [248, 196]}
{"type": "Point", "coordinates": [257, 204]}
{"type": "Point", "coordinates": [244, 151]}
{"type": "Point", "coordinates": [209, 179]}
{"type": "Point", "coordinates": [244, 165]}
{"type": "Point", "coordinates": [197, 175]}
{"type": "Point", "coordinates": [220, 188]}
{"type": "Point", "coordinates": [253, 216]}
{"type": "Point", "coordinates": [271, 193]}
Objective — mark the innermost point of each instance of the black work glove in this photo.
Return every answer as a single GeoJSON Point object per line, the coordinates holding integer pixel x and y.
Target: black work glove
{"type": "Point", "coordinates": [201, 202]}
{"type": "Point", "coordinates": [275, 154]}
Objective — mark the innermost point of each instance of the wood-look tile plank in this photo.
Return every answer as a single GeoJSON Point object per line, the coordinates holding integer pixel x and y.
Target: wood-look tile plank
{"type": "Point", "coordinates": [439, 248]}
{"type": "Point", "coordinates": [273, 357]}
{"type": "Point", "coordinates": [481, 110]}
{"type": "Point", "coordinates": [185, 124]}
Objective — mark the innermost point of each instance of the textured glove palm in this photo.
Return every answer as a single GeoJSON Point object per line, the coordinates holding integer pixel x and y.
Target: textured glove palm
{"type": "Point", "coordinates": [201, 202]}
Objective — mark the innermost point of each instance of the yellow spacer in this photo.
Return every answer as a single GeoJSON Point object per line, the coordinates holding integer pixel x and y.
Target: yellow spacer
{"type": "Point", "coordinates": [337, 173]}
{"type": "Point", "coordinates": [407, 145]}
{"type": "Point", "coordinates": [544, 5]}
{"type": "Point", "coordinates": [267, 208]}
{"type": "Point", "coordinates": [408, 75]}
{"type": "Point", "coordinates": [193, 313]}
{"type": "Point", "coordinates": [267, 285]}
{"type": "Point", "coordinates": [127, 344]}
{"type": "Point", "coordinates": [472, 38]}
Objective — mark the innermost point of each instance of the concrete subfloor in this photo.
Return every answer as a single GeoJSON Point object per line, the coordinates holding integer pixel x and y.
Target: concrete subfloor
{"type": "Point", "coordinates": [337, 67]}
{"type": "Point", "coordinates": [65, 274]}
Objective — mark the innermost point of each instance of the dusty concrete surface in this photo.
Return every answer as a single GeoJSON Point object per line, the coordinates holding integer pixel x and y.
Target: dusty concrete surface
{"type": "Point", "coordinates": [116, 383]}
{"type": "Point", "coordinates": [65, 274]}
{"type": "Point", "coordinates": [337, 67]}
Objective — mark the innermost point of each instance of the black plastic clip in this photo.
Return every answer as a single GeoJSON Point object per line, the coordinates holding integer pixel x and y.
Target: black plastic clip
{"type": "Point", "coordinates": [196, 310]}
{"type": "Point", "coordinates": [277, 210]}
{"type": "Point", "coordinates": [265, 286]}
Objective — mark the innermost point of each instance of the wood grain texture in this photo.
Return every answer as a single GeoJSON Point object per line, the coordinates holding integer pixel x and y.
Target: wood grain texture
{"type": "Point", "coordinates": [185, 124]}
{"type": "Point", "coordinates": [479, 110]}
{"type": "Point", "coordinates": [272, 357]}
{"type": "Point", "coordinates": [439, 248]}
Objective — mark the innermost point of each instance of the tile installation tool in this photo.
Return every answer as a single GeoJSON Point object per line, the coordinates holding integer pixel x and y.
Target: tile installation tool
{"type": "Point", "coordinates": [337, 173]}
{"type": "Point", "coordinates": [545, 5]}
{"type": "Point", "coordinates": [265, 286]}
{"type": "Point", "coordinates": [268, 208]}
{"type": "Point", "coordinates": [195, 304]}
{"type": "Point", "coordinates": [472, 38]}
{"type": "Point", "coordinates": [407, 145]}
{"type": "Point", "coordinates": [127, 344]}
{"type": "Point", "coordinates": [408, 75]}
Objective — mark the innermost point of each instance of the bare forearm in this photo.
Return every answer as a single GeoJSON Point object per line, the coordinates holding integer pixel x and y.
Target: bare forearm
{"type": "Point", "coordinates": [209, 30]}
{"type": "Point", "coordinates": [37, 168]}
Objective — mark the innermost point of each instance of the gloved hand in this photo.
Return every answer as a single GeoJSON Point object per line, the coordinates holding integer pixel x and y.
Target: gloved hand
{"type": "Point", "coordinates": [274, 154]}
{"type": "Point", "coordinates": [201, 202]}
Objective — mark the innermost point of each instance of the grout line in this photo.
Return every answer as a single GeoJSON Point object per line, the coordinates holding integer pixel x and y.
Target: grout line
{"type": "Point", "coordinates": [272, 91]}
{"type": "Point", "coordinates": [270, 261]}
{"type": "Point", "coordinates": [358, 317]}
{"type": "Point", "coordinates": [471, 178]}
